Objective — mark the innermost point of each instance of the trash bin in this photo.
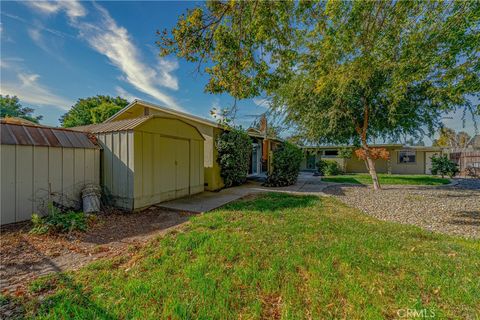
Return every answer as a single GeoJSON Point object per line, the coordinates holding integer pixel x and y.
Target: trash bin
{"type": "Point", "coordinates": [91, 198]}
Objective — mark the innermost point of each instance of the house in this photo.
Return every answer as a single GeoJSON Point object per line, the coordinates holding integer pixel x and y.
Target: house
{"type": "Point", "coordinates": [403, 159]}
{"type": "Point", "coordinates": [262, 150]}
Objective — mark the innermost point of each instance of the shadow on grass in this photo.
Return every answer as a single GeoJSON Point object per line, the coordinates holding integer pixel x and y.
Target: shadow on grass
{"type": "Point", "coordinates": [272, 202]}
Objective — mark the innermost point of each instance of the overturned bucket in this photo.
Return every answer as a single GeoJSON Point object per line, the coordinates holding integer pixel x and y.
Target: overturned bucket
{"type": "Point", "coordinates": [91, 198]}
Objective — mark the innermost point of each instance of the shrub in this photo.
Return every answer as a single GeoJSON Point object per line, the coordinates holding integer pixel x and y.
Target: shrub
{"type": "Point", "coordinates": [234, 151]}
{"type": "Point", "coordinates": [345, 153]}
{"type": "Point", "coordinates": [328, 168]}
{"type": "Point", "coordinates": [285, 165]}
{"type": "Point", "coordinates": [443, 166]}
{"type": "Point", "coordinates": [59, 222]}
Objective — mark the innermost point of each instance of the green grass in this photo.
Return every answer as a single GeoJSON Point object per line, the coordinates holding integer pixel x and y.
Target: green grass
{"type": "Point", "coordinates": [277, 256]}
{"type": "Point", "coordinates": [388, 179]}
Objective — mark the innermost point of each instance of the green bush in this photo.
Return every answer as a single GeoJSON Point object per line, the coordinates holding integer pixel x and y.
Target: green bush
{"type": "Point", "coordinates": [234, 151]}
{"type": "Point", "coordinates": [285, 165]}
{"type": "Point", "coordinates": [443, 166]}
{"type": "Point", "coordinates": [328, 168]}
{"type": "Point", "coordinates": [59, 222]}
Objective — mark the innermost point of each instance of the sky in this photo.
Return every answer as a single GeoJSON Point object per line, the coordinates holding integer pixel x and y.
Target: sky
{"type": "Point", "coordinates": [53, 53]}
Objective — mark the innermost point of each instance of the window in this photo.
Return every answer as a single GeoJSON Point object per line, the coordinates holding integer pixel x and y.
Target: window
{"type": "Point", "coordinates": [407, 156]}
{"type": "Point", "coordinates": [331, 153]}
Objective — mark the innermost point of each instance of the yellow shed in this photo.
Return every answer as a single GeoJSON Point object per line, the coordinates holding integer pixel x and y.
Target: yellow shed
{"type": "Point", "coordinates": [210, 131]}
{"type": "Point", "coordinates": [149, 159]}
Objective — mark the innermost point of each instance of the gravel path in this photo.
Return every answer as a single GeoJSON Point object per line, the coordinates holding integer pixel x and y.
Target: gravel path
{"type": "Point", "coordinates": [453, 209]}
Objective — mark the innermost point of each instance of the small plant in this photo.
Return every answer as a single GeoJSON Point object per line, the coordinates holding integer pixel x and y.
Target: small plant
{"type": "Point", "coordinates": [234, 151]}
{"type": "Point", "coordinates": [59, 222]}
{"type": "Point", "coordinates": [285, 165]}
{"type": "Point", "coordinates": [443, 166]}
{"type": "Point", "coordinates": [328, 168]}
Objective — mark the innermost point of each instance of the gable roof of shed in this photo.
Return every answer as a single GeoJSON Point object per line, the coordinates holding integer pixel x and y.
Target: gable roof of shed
{"type": "Point", "coordinates": [121, 125]}
{"type": "Point", "coordinates": [166, 110]}
{"type": "Point", "coordinates": [125, 125]}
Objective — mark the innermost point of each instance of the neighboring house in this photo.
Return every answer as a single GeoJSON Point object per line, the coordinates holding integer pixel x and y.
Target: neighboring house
{"type": "Point", "coordinates": [262, 149]}
{"type": "Point", "coordinates": [403, 159]}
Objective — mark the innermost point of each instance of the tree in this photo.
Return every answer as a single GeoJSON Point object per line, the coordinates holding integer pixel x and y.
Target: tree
{"type": "Point", "coordinates": [92, 110]}
{"type": "Point", "coordinates": [448, 138]}
{"type": "Point", "coordinates": [341, 71]}
{"type": "Point", "coordinates": [10, 107]}
{"type": "Point", "coordinates": [443, 166]}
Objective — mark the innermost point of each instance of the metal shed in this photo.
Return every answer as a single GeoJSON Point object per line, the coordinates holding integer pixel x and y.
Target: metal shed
{"type": "Point", "coordinates": [149, 159]}
{"type": "Point", "coordinates": [39, 164]}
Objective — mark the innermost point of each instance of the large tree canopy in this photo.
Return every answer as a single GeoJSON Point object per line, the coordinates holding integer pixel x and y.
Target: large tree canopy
{"type": "Point", "coordinates": [10, 107]}
{"type": "Point", "coordinates": [92, 110]}
{"type": "Point", "coordinates": [341, 71]}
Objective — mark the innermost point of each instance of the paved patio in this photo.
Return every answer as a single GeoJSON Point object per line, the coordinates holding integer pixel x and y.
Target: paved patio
{"type": "Point", "coordinates": [206, 201]}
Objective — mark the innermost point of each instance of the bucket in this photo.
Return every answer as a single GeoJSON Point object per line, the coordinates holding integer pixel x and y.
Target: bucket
{"type": "Point", "coordinates": [91, 199]}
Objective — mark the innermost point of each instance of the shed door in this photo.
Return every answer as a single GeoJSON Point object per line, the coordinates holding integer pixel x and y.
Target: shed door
{"type": "Point", "coordinates": [182, 173]}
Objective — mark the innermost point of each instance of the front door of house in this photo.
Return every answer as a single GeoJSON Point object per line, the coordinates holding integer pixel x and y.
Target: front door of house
{"type": "Point", "coordinates": [256, 158]}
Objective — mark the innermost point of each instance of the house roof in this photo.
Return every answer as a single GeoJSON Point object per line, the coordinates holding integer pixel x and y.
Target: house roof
{"type": "Point", "coordinates": [166, 110]}
{"type": "Point", "coordinates": [29, 135]}
{"type": "Point", "coordinates": [392, 145]}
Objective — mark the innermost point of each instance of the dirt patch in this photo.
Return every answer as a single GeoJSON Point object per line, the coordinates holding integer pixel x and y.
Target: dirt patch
{"type": "Point", "coordinates": [24, 257]}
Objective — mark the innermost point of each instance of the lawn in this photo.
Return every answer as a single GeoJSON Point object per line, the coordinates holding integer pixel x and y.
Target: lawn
{"type": "Point", "coordinates": [271, 257]}
{"type": "Point", "coordinates": [388, 179]}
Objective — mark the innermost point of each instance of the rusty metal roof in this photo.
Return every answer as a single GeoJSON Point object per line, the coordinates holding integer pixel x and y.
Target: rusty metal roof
{"type": "Point", "coordinates": [121, 125]}
{"type": "Point", "coordinates": [20, 134]}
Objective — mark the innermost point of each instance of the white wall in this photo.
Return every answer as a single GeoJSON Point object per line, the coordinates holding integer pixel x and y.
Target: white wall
{"type": "Point", "coordinates": [27, 173]}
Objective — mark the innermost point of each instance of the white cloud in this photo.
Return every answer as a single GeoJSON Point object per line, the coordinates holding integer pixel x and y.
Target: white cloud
{"type": "Point", "coordinates": [262, 102]}
{"type": "Point", "coordinates": [106, 37]}
{"type": "Point", "coordinates": [73, 9]}
{"type": "Point", "coordinates": [125, 94]}
{"type": "Point", "coordinates": [29, 90]}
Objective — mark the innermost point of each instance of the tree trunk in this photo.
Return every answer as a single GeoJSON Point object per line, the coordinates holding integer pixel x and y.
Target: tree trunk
{"type": "Point", "coordinates": [373, 172]}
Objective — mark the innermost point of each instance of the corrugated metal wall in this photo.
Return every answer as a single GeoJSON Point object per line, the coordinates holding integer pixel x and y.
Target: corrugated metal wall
{"type": "Point", "coordinates": [117, 167]}
{"type": "Point", "coordinates": [27, 172]}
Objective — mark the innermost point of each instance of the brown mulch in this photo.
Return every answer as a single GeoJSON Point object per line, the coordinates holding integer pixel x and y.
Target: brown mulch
{"type": "Point", "coordinates": [24, 256]}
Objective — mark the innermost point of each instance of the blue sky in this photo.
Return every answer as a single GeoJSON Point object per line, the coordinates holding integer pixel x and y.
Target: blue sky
{"type": "Point", "coordinates": [53, 53]}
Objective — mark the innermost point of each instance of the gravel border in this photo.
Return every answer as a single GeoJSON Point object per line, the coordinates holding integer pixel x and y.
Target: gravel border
{"type": "Point", "coordinates": [451, 209]}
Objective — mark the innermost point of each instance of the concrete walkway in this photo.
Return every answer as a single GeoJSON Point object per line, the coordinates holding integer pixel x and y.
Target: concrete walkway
{"type": "Point", "coordinates": [206, 201]}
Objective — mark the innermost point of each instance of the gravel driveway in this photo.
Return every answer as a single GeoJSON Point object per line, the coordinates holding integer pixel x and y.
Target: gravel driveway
{"type": "Point", "coordinates": [452, 209]}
